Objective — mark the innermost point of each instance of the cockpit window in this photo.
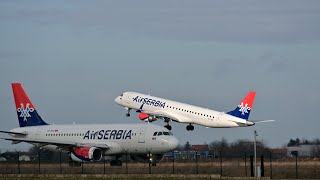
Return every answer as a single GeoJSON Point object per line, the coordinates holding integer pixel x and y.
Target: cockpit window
{"type": "Point", "coordinates": [155, 133]}
{"type": "Point", "coordinates": [159, 133]}
{"type": "Point", "coordinates": [166, 133]}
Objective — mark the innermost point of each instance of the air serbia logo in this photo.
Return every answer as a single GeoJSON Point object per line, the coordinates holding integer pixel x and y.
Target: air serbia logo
{"type": "Point", "coordinates": [244, 108]}
{"type": "Point", "coordinates": [25, 111]}
{"type": "Point", "coordinates": [148, 101]}
{"type": "Point", "coordinates": [108, 134]}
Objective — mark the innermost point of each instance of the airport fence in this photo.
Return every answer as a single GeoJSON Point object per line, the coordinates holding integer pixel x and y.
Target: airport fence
{"type": "Point", "coordinates": [284, 168]}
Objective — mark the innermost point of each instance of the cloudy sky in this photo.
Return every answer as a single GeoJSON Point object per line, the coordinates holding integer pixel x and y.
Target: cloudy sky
{"type": "Point", "coordinates": [75, 57]}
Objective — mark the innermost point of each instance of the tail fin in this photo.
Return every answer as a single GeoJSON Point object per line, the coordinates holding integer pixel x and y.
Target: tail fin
{"type": "Point", "coordinates": [27, 113]}
{"type": "Point", "coordinates": [244, 108]}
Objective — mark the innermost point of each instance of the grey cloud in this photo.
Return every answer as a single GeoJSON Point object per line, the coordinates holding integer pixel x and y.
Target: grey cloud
{"type": "Point", "coordinates": [274, 63]}
{"type": "Point", "coordinates": [230, 21]}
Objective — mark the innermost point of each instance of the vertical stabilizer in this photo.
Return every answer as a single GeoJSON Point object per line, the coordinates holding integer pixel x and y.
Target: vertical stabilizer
{"type": "Point", "coordinates": [244, 108]}
{"type": "Point", "coordinates": [27, 113]}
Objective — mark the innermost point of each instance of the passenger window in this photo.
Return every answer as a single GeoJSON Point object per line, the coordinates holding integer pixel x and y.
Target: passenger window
{"type": "Point", "coordinates": [155, 133]}
{"type": "Point", "coordinates": [159, 133]}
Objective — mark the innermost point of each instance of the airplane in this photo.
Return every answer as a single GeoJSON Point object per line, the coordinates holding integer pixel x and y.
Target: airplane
{"type": "Point", "coordinates": [151, 108]}
{"type": "Point", "coordinates": [89, 142]}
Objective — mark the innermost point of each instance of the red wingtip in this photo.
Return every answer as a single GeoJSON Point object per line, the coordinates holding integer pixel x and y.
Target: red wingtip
{"type": "Point", "coordinates": [249, 99]}
{"type": "Point", "coordinates": [20, 96]}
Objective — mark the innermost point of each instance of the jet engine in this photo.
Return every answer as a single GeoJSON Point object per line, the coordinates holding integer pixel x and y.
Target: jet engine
{"type": "Point", "coordinates": [81, 154]}
{"type": "Point", "coordinates": [154, 158]}
{"type": "Point", "coordinates": [147, 117]}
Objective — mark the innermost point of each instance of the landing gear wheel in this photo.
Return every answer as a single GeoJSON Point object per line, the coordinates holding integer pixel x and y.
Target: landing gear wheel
{"type": "Point", "coordinates": [128, 112]}
{"type": "Point", "coordinates": [190, 127]}
{"type": "Point", "coordinates": [168, 127]}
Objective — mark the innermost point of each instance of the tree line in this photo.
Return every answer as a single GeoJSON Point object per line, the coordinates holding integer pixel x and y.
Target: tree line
{"type": "Point", "coordinates": [242, 147]}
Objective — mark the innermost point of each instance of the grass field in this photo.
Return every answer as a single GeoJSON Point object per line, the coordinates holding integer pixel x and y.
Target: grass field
{"type": "Point", "coordinates": [281, 169]}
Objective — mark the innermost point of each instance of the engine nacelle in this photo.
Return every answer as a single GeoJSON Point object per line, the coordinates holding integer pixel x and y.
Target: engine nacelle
{"type": "Point", "coordinates": [154, 158]}
{"type": "Point", "coordinates": [81, 154]}
{"type": "Point", "coordinates": [152, 118]}
{"type": "Point", "coordinates": [147, 117]}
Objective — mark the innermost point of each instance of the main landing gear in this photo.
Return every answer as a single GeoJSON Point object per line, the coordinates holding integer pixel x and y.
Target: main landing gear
{"type": "Point", "coordinates": [190, 127]}
{"type": "Point", "coordinates": [168, 127]}
{"type": "Point", "coordinates": [128, 112]}
{"type": "Point", "coordinates": [167, 120]}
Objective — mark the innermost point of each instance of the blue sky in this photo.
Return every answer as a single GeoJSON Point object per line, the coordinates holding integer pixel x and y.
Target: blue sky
{"type": "Point", "coordinates": [75, 57]}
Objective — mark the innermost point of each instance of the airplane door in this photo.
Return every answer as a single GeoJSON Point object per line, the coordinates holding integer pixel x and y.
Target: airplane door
{"type": "Point", "coordinates": [218, 119]}
{"type": "Point", "coordinates": [38, 132]}
{"type": "Point", "coordinates": [142, 133]}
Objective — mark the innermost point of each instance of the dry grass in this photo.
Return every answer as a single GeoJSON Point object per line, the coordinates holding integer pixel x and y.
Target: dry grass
{"type": "Point", "coordinates": [307, 168]}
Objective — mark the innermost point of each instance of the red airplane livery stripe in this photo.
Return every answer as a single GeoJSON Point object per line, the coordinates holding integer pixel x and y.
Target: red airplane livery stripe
{"type": "Point", "coordinates": [249, 99]}
{"type": "Point", "coordinates": [20, 96]}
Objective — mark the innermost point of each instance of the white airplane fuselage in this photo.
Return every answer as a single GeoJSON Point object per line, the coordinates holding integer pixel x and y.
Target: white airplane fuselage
{"type": "Point", "coordinates": [118, 138]}
{"type": "Point", "coordinates": [179, 112]}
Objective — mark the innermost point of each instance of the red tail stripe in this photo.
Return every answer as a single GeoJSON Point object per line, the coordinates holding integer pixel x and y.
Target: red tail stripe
{"type": "Point", "coordinates": [249, 99]}
{"type": "Point", "coordinates": [20, 96]}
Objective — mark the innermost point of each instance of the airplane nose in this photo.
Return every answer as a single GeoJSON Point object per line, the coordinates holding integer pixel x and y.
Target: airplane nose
{"type": "Point", "coordinates": [117, 100]}
{"type": "Point", "coordinates": [173, 143]}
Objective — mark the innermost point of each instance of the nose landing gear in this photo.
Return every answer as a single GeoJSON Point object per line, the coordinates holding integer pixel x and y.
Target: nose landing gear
{"type": "Point", "coordinates": [128, 112]}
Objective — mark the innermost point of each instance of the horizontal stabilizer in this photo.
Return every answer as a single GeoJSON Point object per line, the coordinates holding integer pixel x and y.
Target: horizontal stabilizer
{"type": "Point", "coordinates": [264, 121]}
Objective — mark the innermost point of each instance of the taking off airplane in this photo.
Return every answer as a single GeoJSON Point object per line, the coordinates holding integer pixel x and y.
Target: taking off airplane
{"type": "Point", "coordinates": [89, 142]}
{"type": "Point", "coordinates": [151, 108]}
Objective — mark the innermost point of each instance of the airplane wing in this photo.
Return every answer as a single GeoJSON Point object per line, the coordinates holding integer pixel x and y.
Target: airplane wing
{"type": "Point", "coordinates": [171, 116]}
{"type": "Point", "coordinates": [59, 143]}
{"type": "Point", "coordinates": [16, 133]}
